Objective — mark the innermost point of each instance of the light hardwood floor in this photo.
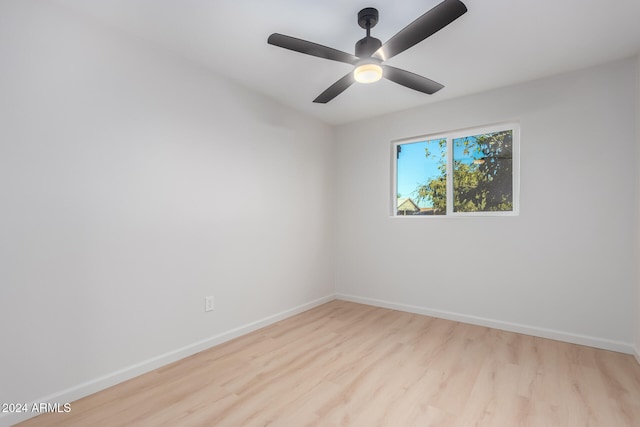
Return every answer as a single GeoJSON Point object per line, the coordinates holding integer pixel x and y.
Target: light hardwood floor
{"type": "Point", "coordinates": [346, 364]}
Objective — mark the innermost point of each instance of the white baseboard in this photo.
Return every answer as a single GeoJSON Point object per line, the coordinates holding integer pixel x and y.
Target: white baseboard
{"type": "Point", "coordinates": [636, 353]}
{"type": "Point", "coordinates": [596, 342]}
{"type": "Point", "coordinates": [98, 384]}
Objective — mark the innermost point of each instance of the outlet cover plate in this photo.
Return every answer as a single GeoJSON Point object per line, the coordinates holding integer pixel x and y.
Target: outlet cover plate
{"type": "Point", "coordinates": [208, 303]}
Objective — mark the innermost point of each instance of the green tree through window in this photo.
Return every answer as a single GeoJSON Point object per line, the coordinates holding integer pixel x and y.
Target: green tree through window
{"type": "Point", "coordinates": [482, 170]}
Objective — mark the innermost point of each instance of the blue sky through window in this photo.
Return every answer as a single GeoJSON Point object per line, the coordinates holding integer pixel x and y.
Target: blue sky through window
{"type": "Point", "coordinates": [414, 168]}
{"type": "Point", "coordinates": [473, 153]}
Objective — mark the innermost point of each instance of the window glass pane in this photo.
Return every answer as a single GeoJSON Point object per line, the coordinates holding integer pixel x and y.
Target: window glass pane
{"type": "Point", "coordinates": [483, 172]}
{"type": "Point", "coordinates": [422, 178]}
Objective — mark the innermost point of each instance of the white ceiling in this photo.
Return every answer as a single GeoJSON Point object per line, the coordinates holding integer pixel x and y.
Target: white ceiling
{"type": "Point", "coordinates": [496, 43]}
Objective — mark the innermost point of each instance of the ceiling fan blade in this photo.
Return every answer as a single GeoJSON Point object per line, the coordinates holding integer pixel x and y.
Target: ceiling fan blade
{"type": "Point", "coordinates": [411, 80]}
{"type": "Point", "coordinates": [335, 89]}
{"type": "Point", "coordinates": [311, 48]}
{"type": "Point", "coordinates": [428, 24]}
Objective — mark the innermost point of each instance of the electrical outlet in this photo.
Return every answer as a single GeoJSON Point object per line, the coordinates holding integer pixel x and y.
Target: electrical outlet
{"type": "Point", "coordinates": [208, 303]}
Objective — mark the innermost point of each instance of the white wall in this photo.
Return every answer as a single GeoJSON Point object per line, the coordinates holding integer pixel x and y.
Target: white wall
{"type": "Point", "coordinates": [132, 184]}
{"type": "Point", "coordinates": [563, 268]}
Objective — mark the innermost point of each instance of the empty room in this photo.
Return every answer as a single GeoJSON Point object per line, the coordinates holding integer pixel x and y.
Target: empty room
{"type": "Point", "coordinates": [331, 213]}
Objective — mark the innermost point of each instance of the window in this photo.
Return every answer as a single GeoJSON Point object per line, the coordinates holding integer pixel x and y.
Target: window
{"type": "Point", "coordinates": [460, 173]}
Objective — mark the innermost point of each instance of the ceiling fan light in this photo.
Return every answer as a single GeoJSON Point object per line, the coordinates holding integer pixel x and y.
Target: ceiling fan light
{"type": "Point", "coordinates": [367, 73]}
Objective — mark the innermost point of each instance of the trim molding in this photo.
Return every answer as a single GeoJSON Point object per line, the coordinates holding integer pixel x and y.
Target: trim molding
{"type": "Point", "coordinates": [636, 353]}
{"type": "Point", "coordinates": [106, 381]}
{"type": "Point", "coordinates": [586, 340]}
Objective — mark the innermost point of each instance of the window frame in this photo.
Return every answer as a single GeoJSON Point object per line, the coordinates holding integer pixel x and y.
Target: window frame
{"type": "Point", "coordinates": [514, 126]}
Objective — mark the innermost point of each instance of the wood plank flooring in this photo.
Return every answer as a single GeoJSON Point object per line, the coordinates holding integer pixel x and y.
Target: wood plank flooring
{"type": "Point", "coordinates": [346, 364]}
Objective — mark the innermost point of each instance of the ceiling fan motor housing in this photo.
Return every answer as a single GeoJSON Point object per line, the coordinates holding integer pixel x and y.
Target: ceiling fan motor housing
{"type": "Point", "coordinates": [366, 46]}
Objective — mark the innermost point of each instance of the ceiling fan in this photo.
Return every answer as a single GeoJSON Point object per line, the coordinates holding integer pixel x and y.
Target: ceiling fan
{"type": "Point", "coordinates": [370, 53]}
